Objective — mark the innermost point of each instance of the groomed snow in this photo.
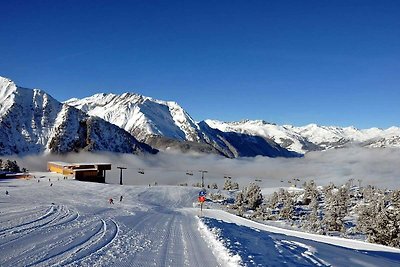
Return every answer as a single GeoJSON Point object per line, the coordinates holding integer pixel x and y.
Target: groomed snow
{"type": "Point", "coordinates": [58, 222]}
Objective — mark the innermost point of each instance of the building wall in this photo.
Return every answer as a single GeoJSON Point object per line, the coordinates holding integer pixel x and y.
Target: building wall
{"type": "Point", "coordinates": [80, 175]}
{"type": "Point", "coordinates": [52, 167]}
{"type": "Point", "coordinates": [95, 175]}
{"type": "Point", "coordinates": [67, 171]}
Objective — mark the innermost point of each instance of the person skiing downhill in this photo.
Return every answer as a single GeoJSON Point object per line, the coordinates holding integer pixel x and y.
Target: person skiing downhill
{"type": "Point", "coordinates": [111, 201]}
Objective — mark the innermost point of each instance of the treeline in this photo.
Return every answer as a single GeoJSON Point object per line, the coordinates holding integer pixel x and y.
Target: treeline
{"type": "Point", "coordinates": [344, 210]}
{"type": "Point", "coordinates": [9, 165]}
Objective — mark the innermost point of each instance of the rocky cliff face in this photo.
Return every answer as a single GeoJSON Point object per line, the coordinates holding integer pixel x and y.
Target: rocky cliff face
{"type": "Point", "coordinates": [31, 121]}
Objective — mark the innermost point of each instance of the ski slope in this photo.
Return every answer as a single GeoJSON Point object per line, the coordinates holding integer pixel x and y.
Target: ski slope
{"type": "Point", "coordinates": [71, 223]}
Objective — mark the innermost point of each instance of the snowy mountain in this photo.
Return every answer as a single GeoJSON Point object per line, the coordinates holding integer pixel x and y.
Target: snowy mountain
{"type": "Point", "coordinates": [312, 137]}
{"type": "Point", "coordinates": [141, 116]}
{"type": "Point", "coordinates": [166, 125]}
{"type": "Point", "coordinates": [31, 121]}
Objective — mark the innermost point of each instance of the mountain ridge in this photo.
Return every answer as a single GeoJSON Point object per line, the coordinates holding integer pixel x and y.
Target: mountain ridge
{"type": "Point", "coordinates": [160, 124]}
{"type": "Point", "coordinates": [32, 121]}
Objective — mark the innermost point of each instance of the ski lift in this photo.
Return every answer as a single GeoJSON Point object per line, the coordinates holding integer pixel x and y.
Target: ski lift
{"type": "Point", "coordinates": [141, 171]}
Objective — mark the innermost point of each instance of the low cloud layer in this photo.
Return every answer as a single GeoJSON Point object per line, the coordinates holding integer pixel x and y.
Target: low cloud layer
{"type": "Point", "coordinates": [379, 167]}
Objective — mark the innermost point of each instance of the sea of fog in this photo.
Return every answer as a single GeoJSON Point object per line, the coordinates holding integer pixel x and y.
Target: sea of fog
{"type": "Point", "coordinates": [378, 167]}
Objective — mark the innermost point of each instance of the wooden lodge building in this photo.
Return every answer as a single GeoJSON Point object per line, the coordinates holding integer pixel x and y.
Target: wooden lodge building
{"type": "Point", "coordinates": [92, 172]}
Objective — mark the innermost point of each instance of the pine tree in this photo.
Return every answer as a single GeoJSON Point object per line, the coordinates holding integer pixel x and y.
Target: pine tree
{"type": "Point", "coordinates": [253, 196]}
{"type": "Point", "coordinates": [380, 219]}
{"type": "Point", "coordinates": [11, 166]}
{"type": "Point", "coordinates": [227, 184]}
{"type": "Point", "coordinates": [310, 192]}
{"type": "Point", "coordinates": [239, 203]}
{"type": "Point", "coordinates": [273, 201]}
{"type": "Point", "coordinates": [313, 220]}
{"type": "Point", "coordinates": [336, 207]}
{"type": "Point", "coordinates": [394, 217]}
{"type": "Point", "coordinates": [287, 210]}
{"type": "Point", "coordinates": [235, 186]}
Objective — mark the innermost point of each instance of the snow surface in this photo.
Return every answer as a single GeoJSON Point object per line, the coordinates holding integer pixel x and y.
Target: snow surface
{"type": "Point", "coordinates": [145, 116]}
{"type": "Point", "coordinates": [71, 223]}
{"type": "Point", "coordinates": [140, 115]}
{"type": "Point", "coordinates": [35, 122]}
{"type": "Point", "coordinates": [294, 138]}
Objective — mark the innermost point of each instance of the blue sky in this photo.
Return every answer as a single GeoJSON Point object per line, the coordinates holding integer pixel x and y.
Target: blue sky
{"type": "Point", "coordinates": [288, 62]}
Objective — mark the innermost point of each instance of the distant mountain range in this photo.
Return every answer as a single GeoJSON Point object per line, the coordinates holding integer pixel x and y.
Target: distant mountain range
{"type": "Point", "coordinates": [32, 122]}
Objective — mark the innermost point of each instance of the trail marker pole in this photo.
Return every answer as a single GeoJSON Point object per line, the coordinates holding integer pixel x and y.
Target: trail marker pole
{"type": "Point", "coordinates": [202, 198]}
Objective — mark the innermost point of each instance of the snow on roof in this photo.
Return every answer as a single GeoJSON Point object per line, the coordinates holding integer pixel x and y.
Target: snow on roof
{"type": "Point", "coordinates": [65, 164]}
{"type": "Point", "coordinates": [61, 163]}
{"type": "Point", "coordinates": [89, 163]}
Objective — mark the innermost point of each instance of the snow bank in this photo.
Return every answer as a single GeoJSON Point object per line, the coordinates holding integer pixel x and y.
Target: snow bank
{"type": "Point", "coordinates": [223, 255]}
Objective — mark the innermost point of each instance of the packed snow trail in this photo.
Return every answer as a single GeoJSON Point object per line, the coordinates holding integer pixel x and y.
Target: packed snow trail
{"type": "Point", "coordinates": [262, 248]}
{"type": "Point", "coordinates": [72, 224]}
{"type": "Point", "coordinates": [261, 245]}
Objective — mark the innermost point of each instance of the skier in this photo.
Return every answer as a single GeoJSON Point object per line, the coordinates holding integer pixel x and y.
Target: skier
{"type": "Point", "coordinates": [120, 199]}
{"type": "Point", "coordinates": [111, 201]}
{"type": "Point", "coordinates": [6, 193]}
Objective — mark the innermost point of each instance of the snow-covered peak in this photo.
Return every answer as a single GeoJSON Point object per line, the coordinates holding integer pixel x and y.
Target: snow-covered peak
{"type": "Point", "coordinates": [140, 115]}
{"type": "Point", "coordinates": [7, 94]}
{"type": "Point", "coordinates": [32, 121]}
{"type": "Point", "coordinates": [330, 134]}
{"type": "Point", "coordinates": [279, 134]}
{"type": "Point", "coordinates": [312, 136]}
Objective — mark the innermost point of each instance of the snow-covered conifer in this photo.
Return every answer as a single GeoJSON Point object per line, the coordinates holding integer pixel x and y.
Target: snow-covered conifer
{"type": "Point", "coordinates": [235, 186]}
{"type": "Point", "coordinates": [310, 192]}
{"type": "Point", "coordinates": [9, 165]}
{"type": "Point", "coordinates": [227, 184]}
{"type": "Point", "coordinates": [253, 196]}
{"type": "Point", "coordinates": [239, 203]}
{"type": "Point", "coordinates": [287, 210]}
{"type": "Point", "coordinates": [336, 207]}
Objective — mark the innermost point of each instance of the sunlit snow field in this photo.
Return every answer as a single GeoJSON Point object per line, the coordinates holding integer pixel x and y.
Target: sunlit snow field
{"type": "Point", "coordinates": [72, 223]}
